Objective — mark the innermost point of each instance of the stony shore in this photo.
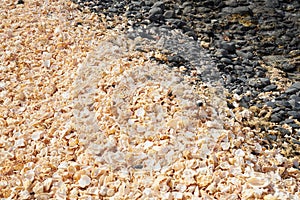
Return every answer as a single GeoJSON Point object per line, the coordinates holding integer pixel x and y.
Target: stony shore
{"type": "Point", "coordinates": [164, 100]}
{"type": "Point", "coordinates": [251, 48]}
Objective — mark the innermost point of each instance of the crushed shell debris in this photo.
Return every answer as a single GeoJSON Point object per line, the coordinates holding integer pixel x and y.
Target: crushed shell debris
{"type": "Point", "coordinates": [83, 116]}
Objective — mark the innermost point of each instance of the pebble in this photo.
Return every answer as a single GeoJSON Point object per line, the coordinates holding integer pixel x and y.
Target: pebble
{"type": "Point", "coordinates": [294, 114]}
{"type": "Point", "coordinates": [245, 55]}
{"type": "Point", "coordinates": [168, 14]}
{"type": "Point", "coordinates": [269, 88]}
{"type": "Point", "coordinates": [226, 60]}
{"type": "Point", "coordinates": [155, 13]}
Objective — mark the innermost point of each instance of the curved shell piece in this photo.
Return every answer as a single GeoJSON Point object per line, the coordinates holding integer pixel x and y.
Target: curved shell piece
{"type": "Point", "coordinates": [258, 180]}
{"type": "Point", "coordinates": [84, 181]}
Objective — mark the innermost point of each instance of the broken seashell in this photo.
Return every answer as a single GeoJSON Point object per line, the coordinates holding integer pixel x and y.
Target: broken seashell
{"type": "Point", "coordinates": [140, 112]}
{"type": "Point", "coordinates": [84, 181]}
{"type": "Point", "coordinates": [258, 180]}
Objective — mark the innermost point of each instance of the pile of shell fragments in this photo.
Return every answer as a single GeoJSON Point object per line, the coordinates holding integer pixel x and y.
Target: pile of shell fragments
{"type": "Point", "coordinates": [83, 116]}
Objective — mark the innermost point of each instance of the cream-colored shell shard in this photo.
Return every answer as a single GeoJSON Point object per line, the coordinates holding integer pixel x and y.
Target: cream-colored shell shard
{"type": "Point", "coordinates": [84, 181]}
{"type": "Point", "coordinates": [258, 180]}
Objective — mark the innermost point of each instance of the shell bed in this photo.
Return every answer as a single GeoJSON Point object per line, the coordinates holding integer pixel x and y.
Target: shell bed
{"type": "Point", "coordinates": [84, 116]}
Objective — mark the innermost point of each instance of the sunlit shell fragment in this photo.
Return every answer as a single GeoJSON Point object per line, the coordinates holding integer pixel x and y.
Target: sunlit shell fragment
{"type": "Point", "coordinates": [258, 180]}
{"type": "Point", "coordinates": [84, 181]}
{"type": "Point", "coordinates": [140, 112]}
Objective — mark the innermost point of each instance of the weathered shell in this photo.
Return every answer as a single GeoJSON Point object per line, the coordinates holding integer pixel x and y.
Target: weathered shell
{"type": "Point", "coordinates": [84, 181]}
{"type": "Point", "coordinates": [258, 180]}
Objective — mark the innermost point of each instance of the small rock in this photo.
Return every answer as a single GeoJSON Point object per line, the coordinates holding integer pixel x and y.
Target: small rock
{"type": "Point", "coordinates": [269, 88]}
{"type": "Point", "coordinates": [294, 125]}
{"type": "Point", "coordinates": [294, 114]}
{"type": "Point", "coordinates": [221, 53]}
{"type": "Point", "coordinates": [271, 104]}
{"type": "Point", "coordinates": [155, 13]}
{"type": "Point", "coordinates": [246, 55]}
{"type": "Point", "coordinates": [175, 59]}
{"type": "Point", "coordinates": [169, 14]}
{"type": "Point", "coordinates": [288, 121]}
{"type": "Point", "coordinates": [226, 60]}
{"type": "Point", "coordinates": [296, 85]}
{"type": "Point", "coordinates": [229, 46]}
{"type": "Point", "coordinates": [272, 137]}
{"type": "Point", "coordinates": [272, 3]}
{"type": "Point", "coordinates": [264, 82]}
{"type": "Point", "coordinates": [177, 23]}
{"type": "Point", "coordinates": [159, 4]}
{"type": "Point", "coordinates": [187, 10]}
{"type": "Point", "coordinates": [275, 117]}
{"type": "Point", "coordinates": [283, 131]}
{"type": "Point", "coordinates": [288, 67]}
{"type": "Point", "coordinates": [296, 141]}
{"type": "Point", "coordinates": [291, 90]}
{"type": "Point", "coordinates": [231, 3]}
{"type": "Point", "coordinates": [20, 2]}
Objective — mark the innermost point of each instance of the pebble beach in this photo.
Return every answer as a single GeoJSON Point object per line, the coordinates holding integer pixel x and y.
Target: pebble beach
{"type": "Point", "coordinates": [149, 100]}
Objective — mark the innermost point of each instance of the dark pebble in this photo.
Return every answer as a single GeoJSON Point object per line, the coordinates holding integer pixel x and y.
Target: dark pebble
{"type": "Point", "coordinates": [138, 167]}
{"type": "Point", "coordinates": [287, 67]}
{"type": "Point", "coordinates": [292, 89]}
{"type": "Point", "coordinates": [271, 104]}
{"type": "Point", "coordinates": [175, 59]}
{"type": "Point", "coordinates": [296, 85]}
{"type": "Point", "coordinates": [294, 125]}
{"type": "Point", "coordinates": [226, 60]}
{"type": "Point", "coordinates": [221, 53]}
{"type": "Point", "coordinates": [288, 121]}
{"type": "Point", "coordinates": [245, 55]}
{"type": "Point", "coordinates": [272, 137]}
{"type": "Point", "coordinates": [229, 46]}
{"type": "Point", "coordinates": [168, 14]}
{"type": "Point", "coordinates": [264, 82]}
{"type": "Point", "coordinates": [294, 114]}
{"type": "Point", "coordinates": [241, 10]}
{"type": "Point", "coordinates": [270, 88]}
{"type": "Point", "coordinates": [276, 117]}
{"type": "Point", "coordinates": [283, 131]}
{"type": "Point", "coordinates": [272, 3]}
{"type": "Point", "coordinates": [155, 13]}
{"type": "Point", "coordinates": [160, 4]}
{"type": "Point", "coordinates": [296, 141]}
